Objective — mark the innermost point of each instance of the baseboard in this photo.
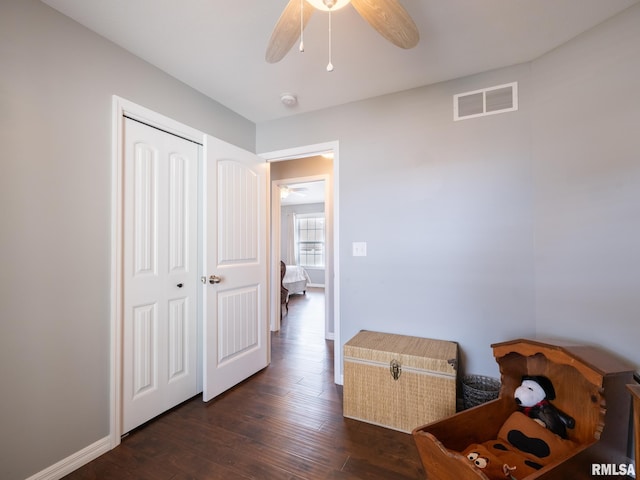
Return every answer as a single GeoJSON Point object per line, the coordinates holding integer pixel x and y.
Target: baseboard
{"type": "Point", "coordinates": [74, 461]}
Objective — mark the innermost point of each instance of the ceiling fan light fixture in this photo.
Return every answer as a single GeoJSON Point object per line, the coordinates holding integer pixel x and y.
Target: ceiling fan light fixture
{"type": "Point", "coordinates": [387, 17]}
{"type": "Point", "coordinates": [326, 5]}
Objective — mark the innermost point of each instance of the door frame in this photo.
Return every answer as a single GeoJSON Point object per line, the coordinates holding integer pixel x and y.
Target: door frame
{"type": "Point", "coordinates": [332, 278]}
{"type": "Point", "coordinates": [120, 108]}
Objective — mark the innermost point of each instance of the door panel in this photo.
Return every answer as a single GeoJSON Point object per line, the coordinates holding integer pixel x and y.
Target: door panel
{"type": "Point", "coordinates": [178, 333]}
{"type": "Point", "coordinates": [239, 323]}
{"type": "Point", "coordinates": [144, 342]}
{"type": "Point", "coordinates": [145, 160]}
{"type": "Point", "coordinates": [159, 272]}
{"type": "Point", "coordinates": [179, 213]}
{"type": "Point", "coordinates": [236, 330]}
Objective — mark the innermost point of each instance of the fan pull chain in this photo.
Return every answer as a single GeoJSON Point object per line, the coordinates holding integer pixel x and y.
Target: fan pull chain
{"type": "Point", "coordinates": [301, 26]}
{"type": "Point", "coordinates": [330, 65]}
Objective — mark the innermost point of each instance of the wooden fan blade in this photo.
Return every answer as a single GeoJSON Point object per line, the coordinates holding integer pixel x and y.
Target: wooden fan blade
{"type": "Point", "coordinates": [287, 30]}
{"type": "Point", "coordinates": [390, 20]}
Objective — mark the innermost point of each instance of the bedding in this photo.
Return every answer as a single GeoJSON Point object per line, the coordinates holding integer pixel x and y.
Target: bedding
{"type": "Point", "coordinates": [296, 279]}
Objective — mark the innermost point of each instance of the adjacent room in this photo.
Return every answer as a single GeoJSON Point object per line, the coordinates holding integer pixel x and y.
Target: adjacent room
{"type": "Point", "coordinates": [303, 234]}
{"type": "Point", "coordinates": [479, 179]}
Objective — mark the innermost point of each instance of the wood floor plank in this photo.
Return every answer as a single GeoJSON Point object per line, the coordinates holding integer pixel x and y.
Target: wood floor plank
{"type": "Point", "coordinates": [283, 423]}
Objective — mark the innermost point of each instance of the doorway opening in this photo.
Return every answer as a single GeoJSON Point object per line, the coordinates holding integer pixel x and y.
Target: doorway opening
{"type": "Point", "coordinates": [301, 242]}
{"type": "Point", "coordinates": [307, 167]}
{"type": "Point", "coordinates": [304, 250]}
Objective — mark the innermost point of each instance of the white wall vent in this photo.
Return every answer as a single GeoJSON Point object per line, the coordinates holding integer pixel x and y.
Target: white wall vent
{"type": "Point", "coordinates": [488, 101]}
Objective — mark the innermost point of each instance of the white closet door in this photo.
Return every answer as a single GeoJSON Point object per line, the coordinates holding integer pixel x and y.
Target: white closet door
{"type": "Point", "coordinates": [159, 272]}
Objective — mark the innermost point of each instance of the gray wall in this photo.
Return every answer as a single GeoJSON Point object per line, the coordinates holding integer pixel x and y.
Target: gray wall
{"type": "Point", "coordinates": [586, 147]}
{"type": "Point", "coordinates": [56, 86]}
{"type": "Point", "coordinates": [301, 167]}
{"type": "Point", "coordinates": [445, 208]}
{"type": "Point", "coordinates": [483, 230]}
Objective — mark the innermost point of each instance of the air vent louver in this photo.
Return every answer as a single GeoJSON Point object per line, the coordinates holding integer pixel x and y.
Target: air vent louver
{"type": "Point", "coordinates": [488, 101]}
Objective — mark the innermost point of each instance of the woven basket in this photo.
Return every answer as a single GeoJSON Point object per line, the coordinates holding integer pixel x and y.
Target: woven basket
{"type": "Point", "coordinates": [424, 390]}
{"type": "Point", "coordinates": [478, 389]}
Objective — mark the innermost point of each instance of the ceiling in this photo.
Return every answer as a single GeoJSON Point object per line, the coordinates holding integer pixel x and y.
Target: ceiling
{"type": "Point", "coordinates": [218, 47]}
{"type": "Point", "coordinates": [302, 193]}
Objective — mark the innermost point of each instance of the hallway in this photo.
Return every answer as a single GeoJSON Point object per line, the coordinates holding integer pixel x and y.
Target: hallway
{"type": "Point", "coordinates": [285, 422]}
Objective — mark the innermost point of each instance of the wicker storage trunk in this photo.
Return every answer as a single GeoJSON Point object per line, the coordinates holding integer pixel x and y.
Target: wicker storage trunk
{"type": "Point", "coordinates": [397, 381]}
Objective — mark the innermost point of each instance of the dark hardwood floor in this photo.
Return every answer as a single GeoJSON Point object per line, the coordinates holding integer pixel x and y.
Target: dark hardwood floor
{"type": "Point", "coordinates": [285, 422]}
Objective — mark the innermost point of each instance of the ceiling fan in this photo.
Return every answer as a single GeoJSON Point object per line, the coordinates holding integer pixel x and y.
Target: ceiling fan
{"type": "Point", "coordinates": [287, 190]}
{"type": "Point", "coordinates": [387, 17]}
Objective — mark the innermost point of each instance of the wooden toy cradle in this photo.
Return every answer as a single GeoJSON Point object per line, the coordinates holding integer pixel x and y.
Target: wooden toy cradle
{"type": "Point", "coordinates": [590, 386]}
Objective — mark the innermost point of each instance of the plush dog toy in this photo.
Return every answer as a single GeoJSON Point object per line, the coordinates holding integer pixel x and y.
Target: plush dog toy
{"type": "Point", "coordinates": [533, 396]}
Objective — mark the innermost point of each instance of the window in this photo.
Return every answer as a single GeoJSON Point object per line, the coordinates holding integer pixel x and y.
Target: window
{"type": "Point", "coordinates": [311, 231]}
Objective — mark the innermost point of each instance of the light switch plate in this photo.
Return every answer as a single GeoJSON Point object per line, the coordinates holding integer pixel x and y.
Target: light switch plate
{"type": "Point", "coordinates": [359, 249]}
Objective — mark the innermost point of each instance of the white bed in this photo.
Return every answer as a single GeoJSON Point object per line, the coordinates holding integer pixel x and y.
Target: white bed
{"type": "Point", "coordinates": [296, 279]}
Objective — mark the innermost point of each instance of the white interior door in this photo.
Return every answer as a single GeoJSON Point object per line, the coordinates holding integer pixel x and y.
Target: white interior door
{"type": "Point", "coordinates": [235, 294]}
{"type": "Point", "coordinates": [159, 272]}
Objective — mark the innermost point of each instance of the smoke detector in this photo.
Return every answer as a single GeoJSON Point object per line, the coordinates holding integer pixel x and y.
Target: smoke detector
{"type": "Point", "coordinates": [289, 100]}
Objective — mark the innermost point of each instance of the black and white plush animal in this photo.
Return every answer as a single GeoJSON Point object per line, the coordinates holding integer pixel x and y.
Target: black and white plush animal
{"type": "Point", "coordinates": [533, 396]}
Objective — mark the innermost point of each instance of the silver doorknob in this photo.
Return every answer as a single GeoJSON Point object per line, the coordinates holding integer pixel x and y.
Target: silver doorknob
{"type": "Point", "coordinates": [213, 279]}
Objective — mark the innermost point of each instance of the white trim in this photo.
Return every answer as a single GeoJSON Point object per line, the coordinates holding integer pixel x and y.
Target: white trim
{"type": "Point", "coordinates": [116, 261]}
{"type": "Point", "coordinates": [331, 204]}
{"type": "Point", "coordinates": [120, 108]}
{"type": "Point", "coordinates": [157, 120]}
{"type": "Point", "coordinates": [74, 461]}
{"type": "Point", "coordinates": [276, 228]}
{"type": "Point", "coordinates": [302, 152]}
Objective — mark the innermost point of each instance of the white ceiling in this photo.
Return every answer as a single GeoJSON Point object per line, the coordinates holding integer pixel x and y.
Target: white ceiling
{"type": "Point", "coordinates": [218, 46]}
{"type": "Point", "coordinates": [306, 192]}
